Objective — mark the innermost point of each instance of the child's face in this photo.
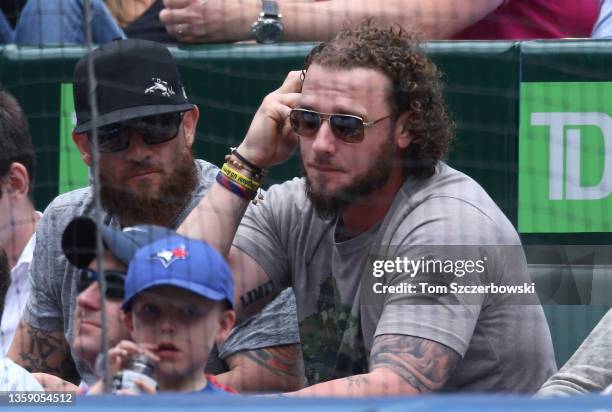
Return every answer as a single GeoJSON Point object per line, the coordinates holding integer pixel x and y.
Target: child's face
{"type": "Point", "coordinates": [183, 325]}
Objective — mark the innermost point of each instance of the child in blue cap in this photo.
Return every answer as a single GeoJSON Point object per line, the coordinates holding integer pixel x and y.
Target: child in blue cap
{"type": "Point", "coordinates": [178, 304]}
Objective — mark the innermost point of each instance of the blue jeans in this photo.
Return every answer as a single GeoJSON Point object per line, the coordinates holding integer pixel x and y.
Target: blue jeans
{"type": "Point", "coordinates": [62, 22]}
{"type": "Point", "coordinates": [6, 31]}
{"type": "Point", "coordinates": [603, 25]}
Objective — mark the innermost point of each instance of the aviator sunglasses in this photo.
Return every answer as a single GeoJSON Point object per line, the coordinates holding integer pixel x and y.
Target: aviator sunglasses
{"type": "Point", "coordinates": [115, 281]}
{"type": "Point", "coordinates": [155, 129]}
{"type": "Point", "coordinates": [346, 127]}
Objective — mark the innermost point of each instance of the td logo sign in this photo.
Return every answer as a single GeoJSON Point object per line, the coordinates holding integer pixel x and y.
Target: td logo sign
{"type": "Point", "coordinates": [565, 157]}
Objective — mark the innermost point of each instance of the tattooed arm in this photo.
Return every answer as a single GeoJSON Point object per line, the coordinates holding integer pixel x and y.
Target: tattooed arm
{"type": "Point", "coordinates": [399, 365]}
{"type": "Point", "coordinates": [38, 350]}
{"type": "Point", "coordinates": [273, 369]}
{"type": "Point", "coordinates": [253, 288]}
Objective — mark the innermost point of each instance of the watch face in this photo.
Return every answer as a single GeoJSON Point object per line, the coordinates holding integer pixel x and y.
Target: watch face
{"type": "Point", "coordinates": [269, 31]}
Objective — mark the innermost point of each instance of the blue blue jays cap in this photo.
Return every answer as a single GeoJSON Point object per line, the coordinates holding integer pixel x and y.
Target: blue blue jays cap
{"type": "Point", "coordinates": [178, 261]}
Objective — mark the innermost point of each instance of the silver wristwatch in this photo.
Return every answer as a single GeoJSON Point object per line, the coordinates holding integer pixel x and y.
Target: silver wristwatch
{"type": "Point", "coordinates": [268, 28]}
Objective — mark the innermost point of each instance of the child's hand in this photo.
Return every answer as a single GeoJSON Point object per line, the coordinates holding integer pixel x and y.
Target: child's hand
{"type": "Point", "coordinates": [120, 355]}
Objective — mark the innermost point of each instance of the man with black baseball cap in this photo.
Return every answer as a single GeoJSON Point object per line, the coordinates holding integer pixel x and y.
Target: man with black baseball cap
{"type": "Point", "coordinates": [145, 128]}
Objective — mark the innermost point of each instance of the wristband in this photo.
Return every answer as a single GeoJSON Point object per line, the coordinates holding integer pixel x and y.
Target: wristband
{"type": "Point", "coordinates": [239, 178]}
{"type": "Point", "coordinates": [235, 188]}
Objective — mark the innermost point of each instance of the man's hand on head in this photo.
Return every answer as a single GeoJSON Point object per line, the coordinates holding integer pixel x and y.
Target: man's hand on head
{"type": "Point", "coordinates": [210, 21]}
{"type": "Point", "coordinates": [270, 140]}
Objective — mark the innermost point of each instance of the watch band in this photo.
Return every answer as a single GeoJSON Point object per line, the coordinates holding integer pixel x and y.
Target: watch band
{"type": "Point", "coordinates": [269, 8]}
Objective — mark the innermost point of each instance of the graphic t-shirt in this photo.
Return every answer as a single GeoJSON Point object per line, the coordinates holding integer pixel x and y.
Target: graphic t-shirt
{"type": "Point", "coordinates": [340, 315]}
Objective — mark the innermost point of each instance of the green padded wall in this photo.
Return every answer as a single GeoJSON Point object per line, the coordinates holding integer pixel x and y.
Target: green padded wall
{"type": "Point", "coordinates": [229, 82]}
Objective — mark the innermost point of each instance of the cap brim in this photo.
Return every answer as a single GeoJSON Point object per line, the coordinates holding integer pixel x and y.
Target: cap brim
{"type": "Point", "coordinates": [192, 287]}
{"type": "Point", "coordinates": [130, 113]}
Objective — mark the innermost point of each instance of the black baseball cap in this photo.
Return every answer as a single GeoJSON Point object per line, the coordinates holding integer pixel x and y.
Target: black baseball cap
{"type": "Point", "coordinates": [134, 78]}
{"type": "Point", "coordinates": [79, 240]}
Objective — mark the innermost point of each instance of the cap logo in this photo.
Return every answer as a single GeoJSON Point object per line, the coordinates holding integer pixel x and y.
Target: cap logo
{"type": "Point", "coordinates": [169, 256]}
{"type": "Point", "coordinates": [160, 86]}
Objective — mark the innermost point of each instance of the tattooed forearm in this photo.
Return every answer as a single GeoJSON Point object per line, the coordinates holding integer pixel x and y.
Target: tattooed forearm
{"type": "Point", "coordinates": [47, 352]}
{"type": "Point", "coordinates": [257, 294]}
{"type": "Point", "coordinates": [283, 360]}
{"type": "Point", "coordinates": [357, 382]}
{"type": "Point", "coordinates": [423, 364]}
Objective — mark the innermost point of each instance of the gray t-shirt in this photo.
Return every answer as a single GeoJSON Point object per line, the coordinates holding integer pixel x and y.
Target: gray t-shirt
{"type": "Point", "coordinates": [52, 301]}
{"type": "Point", "coordinates": [333, 281]}
{"type": "Point", "coordinates": [589, 369]}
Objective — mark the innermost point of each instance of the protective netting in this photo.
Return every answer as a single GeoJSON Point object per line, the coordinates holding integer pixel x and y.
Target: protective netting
{"type": "Point", "coordinates": [532, 128]}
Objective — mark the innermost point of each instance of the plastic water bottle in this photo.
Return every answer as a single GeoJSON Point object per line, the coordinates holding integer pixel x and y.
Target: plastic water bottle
{"type": "Point", "coordinates": [140, 368]}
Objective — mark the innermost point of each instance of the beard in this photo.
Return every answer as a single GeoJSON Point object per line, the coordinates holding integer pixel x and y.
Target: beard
{"type": "Point", "coordinates": [161, 208]}
{"type": "Point", "coordinates": [329, 206]}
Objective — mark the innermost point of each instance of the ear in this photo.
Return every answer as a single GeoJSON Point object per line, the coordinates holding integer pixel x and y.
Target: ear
{"type": "Point", "coordinates": [18, 181]}
{"type": "Point", "coordinates": [401, 133]}
{"type": "Point", "coordinates": [227, 320]}
{"type": "Point", "coordinates": [82, 143]}
{"type": "Point", "coordinates": [190, 123]}
{"type": "Point", "coordinates": [128, 321]}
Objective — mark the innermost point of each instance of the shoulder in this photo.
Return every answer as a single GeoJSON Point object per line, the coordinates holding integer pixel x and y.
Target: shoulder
{"type": "Point", "coordinates": [71, 203]}
{"type": "Point", "coordinates": [63, 208]}
{"type": "Point", "coordinates": [450, 208]}
{"type": "Point", "coordinates": [284, 200]}
{"type": "Point", "coordinates": [291, 191]}
{"type": "Point", "coordinates": [206, 169]}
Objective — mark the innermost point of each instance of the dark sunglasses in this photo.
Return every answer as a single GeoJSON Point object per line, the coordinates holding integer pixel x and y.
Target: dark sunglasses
{"type": "Point", "coordinates": [346, 127]}
{"type": "Point", "coordinates": [155, 129]}
{"type": "Point", "coordinates": [115, 281]}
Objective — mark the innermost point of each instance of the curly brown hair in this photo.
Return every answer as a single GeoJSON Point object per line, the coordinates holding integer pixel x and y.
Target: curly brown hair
{"type": "Point", "coordinates": [415, 80]}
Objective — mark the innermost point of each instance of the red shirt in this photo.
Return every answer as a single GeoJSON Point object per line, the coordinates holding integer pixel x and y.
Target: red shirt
{"type": "Point", "coordinates": [535, 19]}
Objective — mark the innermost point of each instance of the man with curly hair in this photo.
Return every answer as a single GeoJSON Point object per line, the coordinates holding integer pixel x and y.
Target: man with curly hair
{"type": "Point", "coordinates": [356, 235]}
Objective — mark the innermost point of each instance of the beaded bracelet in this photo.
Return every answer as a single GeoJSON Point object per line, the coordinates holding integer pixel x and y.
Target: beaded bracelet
{"type": "Point", "coordinates": [243, 164]}
{"type": "Point", "coordinates": [254, 168]}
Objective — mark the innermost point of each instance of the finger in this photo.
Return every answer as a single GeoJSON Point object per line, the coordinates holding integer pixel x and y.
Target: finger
{"type": "Point", "coordinates": [128, 345]}
{"type": "Point", "coordinates": [144, 387]}
{"type": "Point", "coordinates": [117, 352]}
{"type": "Point", "coordinates": [150, 355]}
{"type": "Point", "coordinates": [173, 16]}
{"type": "Point", "coordinates": [176, 4]}
{"type": "Point", "coordinates": [292, 83]}
{"type": "Point", "coordinates": [288, 101]}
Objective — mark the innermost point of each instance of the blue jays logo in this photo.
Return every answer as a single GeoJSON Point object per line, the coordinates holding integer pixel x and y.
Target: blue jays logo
{"type": "Point", "coordinates": [169, 256]}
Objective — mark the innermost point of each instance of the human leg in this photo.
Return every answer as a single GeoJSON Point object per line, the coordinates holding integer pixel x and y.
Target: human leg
{"type": "Point", "coordinates": [62, 22]}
